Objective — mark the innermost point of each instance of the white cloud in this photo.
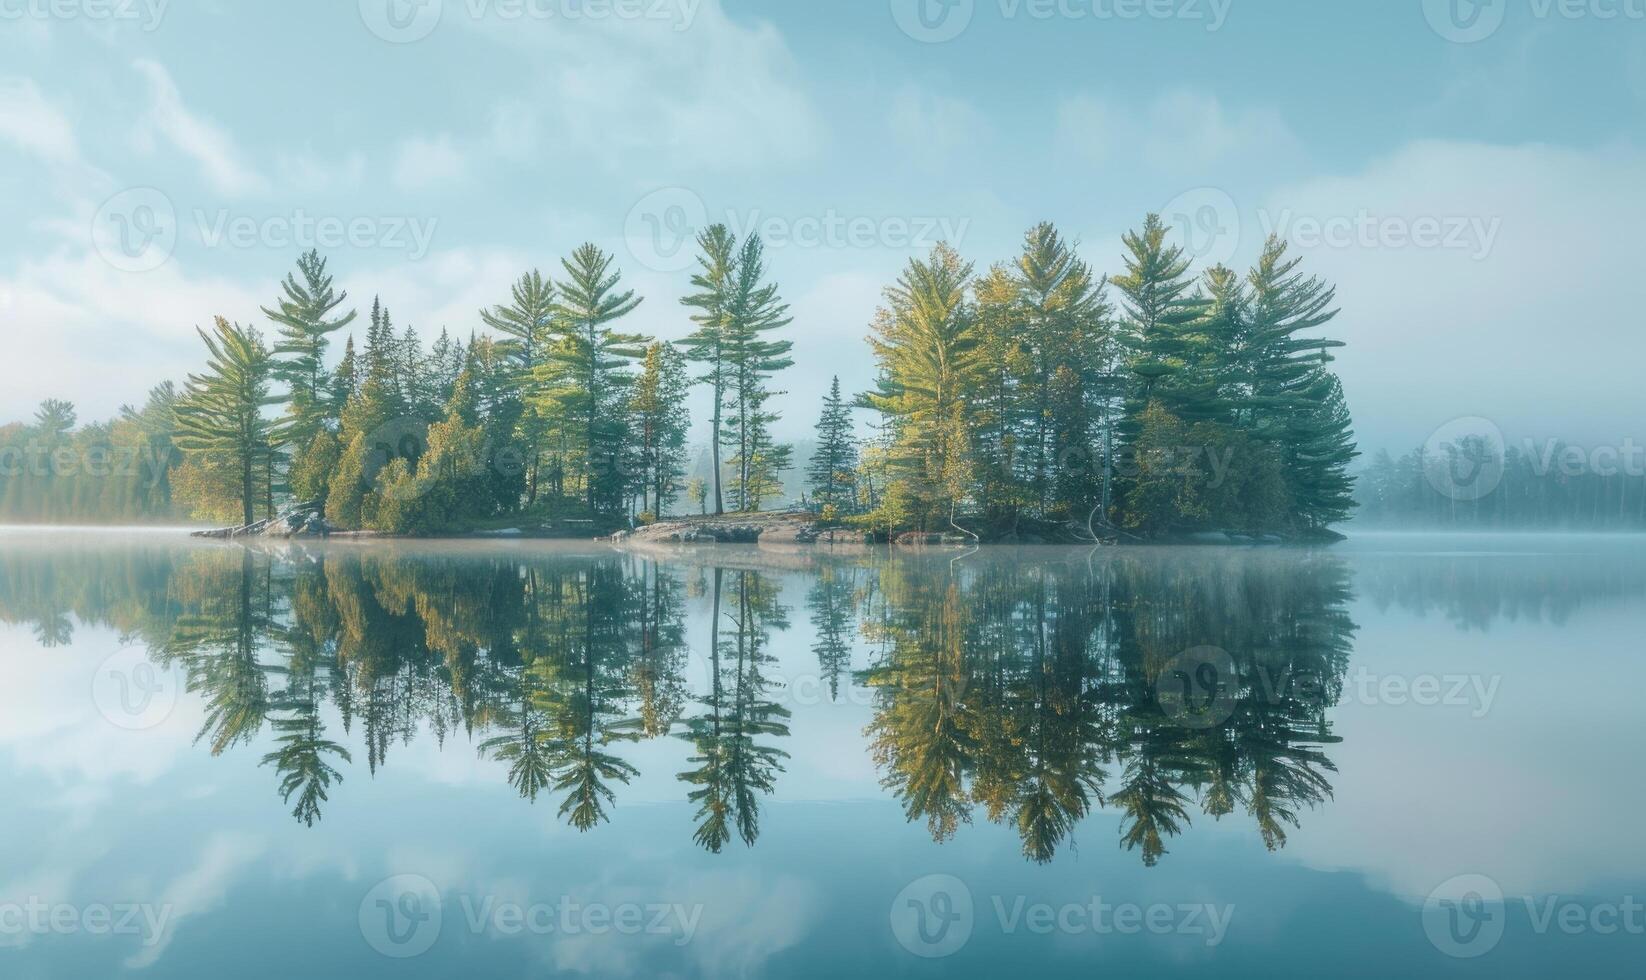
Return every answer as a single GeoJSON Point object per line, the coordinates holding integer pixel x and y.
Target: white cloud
{"type": "Point", "coordinates": [718, 95]}
{"type": "Point", "coordinates": [211, 147]}
{"type": "Point", "coordinates": [1541, 334]}
{"type": "Point", "coordinates": [1182, 130]}
{"type": "Point", "coordinates": [931, 126]}
{"type": "Point", "coordinates": [28, 120]}
{"type": "Point", "coordinates": [200, 889]}
{"type": "Point", "coordinates": [101, 337]}
{"type": "Point", "coordinates": [422, 162]}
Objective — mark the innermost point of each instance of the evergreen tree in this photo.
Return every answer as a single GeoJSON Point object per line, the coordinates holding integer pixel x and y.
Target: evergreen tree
{"type": "Point", "coordinates": [528, 328]}
{"type": "Point", "coordinates": [584, 380]}
{"type": "Point", "coordinates": [1164, 316]}
{"type": "Point", "coordinates": [222, 414]}
{"type": "Point", "coordinates": [925, 342]}
{"type": "Point", "coordinates": [303, 319]}
{"type": "Point", "coordinates": [715, 283]}
{"type": "Point", "coordinates": [752, 358]}
{"type": "Point", "coordinates": [834, 465]}
{"type": "Point", "coordinates": [659, 425]}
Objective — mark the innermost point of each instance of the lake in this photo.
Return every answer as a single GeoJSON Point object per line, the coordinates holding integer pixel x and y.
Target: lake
{"type": "Point", "coordinates": [1407, 755]}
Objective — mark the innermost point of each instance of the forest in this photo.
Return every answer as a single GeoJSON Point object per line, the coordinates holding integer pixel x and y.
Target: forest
{"type": "Point", "coordinates": [1032, 400]}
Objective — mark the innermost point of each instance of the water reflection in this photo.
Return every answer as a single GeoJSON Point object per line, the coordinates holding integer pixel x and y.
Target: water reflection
{"type": "Point", "coordinates": [1164, 689]}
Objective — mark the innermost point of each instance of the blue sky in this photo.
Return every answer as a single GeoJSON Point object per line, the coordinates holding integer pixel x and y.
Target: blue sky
{"type": "Point", "coordinates": [1469, 174]}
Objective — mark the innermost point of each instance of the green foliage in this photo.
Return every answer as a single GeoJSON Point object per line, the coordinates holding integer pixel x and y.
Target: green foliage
{"type": "Point", "coordinates": [658, 425]}
{"type": "Point", "coordinates": [832, 473]}
{"type": "Point", "coordinates": [303, 318]}
{"type": "Point", "coordinates": [221, 413]}
{"type": "Point", "coordinates": [582, 385]}
{"type": "Point", "coordinates": [312, 468]}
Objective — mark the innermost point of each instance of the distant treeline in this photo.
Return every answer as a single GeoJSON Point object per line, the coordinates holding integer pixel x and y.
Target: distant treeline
{"type": "Point", "coordinates": [1488, 486]}
{"type": "Point", "coordinates": [1019, 401]}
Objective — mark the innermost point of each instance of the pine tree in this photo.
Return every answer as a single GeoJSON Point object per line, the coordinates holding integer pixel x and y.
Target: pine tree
{"type": "Point", "coordinates": [528, 328]}
{"type": "Point", "coordinates": [1163, 320]}
{"type": "Point", "coordinates": [715, 282]}
{"type": "Point", "coordinates": [586, 372]}
{"type": "Point", "coordinates": [303, 318]}
{"type": "Point", "coordinates": [925, 342]}
{"type": "Point", "coordinates": [832, 473]}
{"type": "Point", "coordinates": [753, 358]}
{"type": "Point", "coordinates": [659, 426]}
{"type": "Point", "coordinates": [1062, 323]}
{"type": "Point", "coordinates": [221, 412]}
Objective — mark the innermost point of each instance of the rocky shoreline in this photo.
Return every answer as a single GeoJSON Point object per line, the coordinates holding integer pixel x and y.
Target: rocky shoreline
{"type": "Point", "coordinates": [774, 529]}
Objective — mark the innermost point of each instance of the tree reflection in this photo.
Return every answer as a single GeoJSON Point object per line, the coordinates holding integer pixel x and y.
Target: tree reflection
{"type": "Point", "coordinates": [1026, 693]}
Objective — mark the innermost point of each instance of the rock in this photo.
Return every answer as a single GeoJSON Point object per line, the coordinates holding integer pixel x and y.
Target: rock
{"type": "Point", "coordinates": [297, 521]}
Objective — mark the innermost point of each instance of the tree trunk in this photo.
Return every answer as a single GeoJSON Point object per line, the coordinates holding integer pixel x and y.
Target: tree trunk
{"type": "Point", "coordinates": [714, 440]}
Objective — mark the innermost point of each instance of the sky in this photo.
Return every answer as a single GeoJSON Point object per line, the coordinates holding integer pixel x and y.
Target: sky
{"type": "Point", "coordinates": [1468, 174]}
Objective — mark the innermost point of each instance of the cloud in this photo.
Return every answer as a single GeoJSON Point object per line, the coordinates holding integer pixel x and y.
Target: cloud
{"type": "Point", "coordinates": [1182, 130]}
{"type": "Point", "coordinates": [202, 141]}
{"type": "Point", "coordinates": [102, 337]}
{"type": "Point", "coordinates": [715, 95]}
{"type": "Point", "coordinates": [32, 123]}
{"type": "Point", "coordinates": [200, 889]}
{"type": "Point", "coordinates": [1527, 312]}
{"type": "Point", "coordinates": [931, 126]}
{"type": "Point", "coordinates": [422, 162]}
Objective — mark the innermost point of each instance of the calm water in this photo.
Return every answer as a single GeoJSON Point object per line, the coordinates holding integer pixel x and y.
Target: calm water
{"type": "Point", "coordinates": [1409, 755]}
